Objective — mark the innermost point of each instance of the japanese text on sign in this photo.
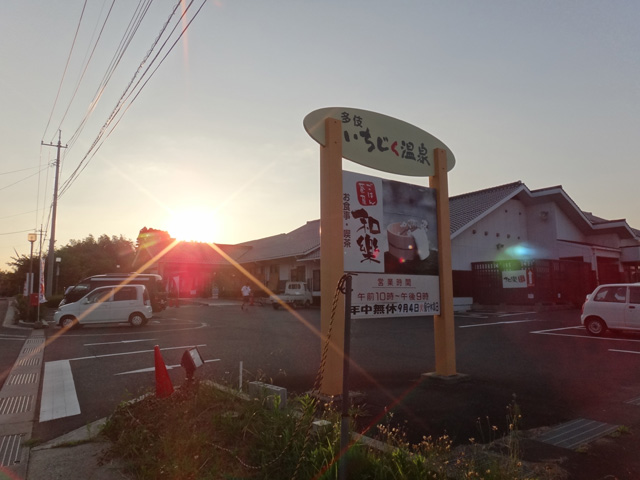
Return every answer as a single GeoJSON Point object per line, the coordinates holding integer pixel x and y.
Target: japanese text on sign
{"type": "Point", "coordinates": [514, 279]}
{"type": "Point", "coordinates": [394, 295]}
{"type": "Point", "coordinates": [354, 128]}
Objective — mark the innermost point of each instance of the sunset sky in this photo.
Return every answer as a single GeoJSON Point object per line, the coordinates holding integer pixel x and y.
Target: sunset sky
{"type": "Point", "coordinates": [544, 92]}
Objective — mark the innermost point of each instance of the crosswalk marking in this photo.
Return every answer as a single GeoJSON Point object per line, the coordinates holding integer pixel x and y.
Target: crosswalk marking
{"type": "Point", "coordinates": [59, 398]}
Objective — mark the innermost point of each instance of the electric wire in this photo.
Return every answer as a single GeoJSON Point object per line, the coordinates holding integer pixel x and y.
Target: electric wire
{"type": "Point", "coordinates": [136, 20]}
{"type": "Point", "coordinates": [86, 65]}
{"type": "Point", "coordinates": [140, 16]}
{"type": "Point", "coordinates": [130, 32]}
{"type": "Point", "coordinates": [18, 214]}
{"type": "Point", "coordinates": [18, 171]}
{"type": "Point", "coordinates": [65, 68]}
{"type": "Point", "coordinates": [130, 91]}
{"type": "Point", "coordinates": [19, 231]}
{"type": "Point", "coordinates": [22, 179]}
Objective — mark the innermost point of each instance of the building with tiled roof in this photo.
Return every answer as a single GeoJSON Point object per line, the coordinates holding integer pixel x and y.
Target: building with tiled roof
{"type": "Point", "coordinates": [563, 251]}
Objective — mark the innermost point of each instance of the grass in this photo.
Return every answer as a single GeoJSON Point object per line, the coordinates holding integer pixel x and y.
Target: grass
{"type": "Point", "coordinates": [203, 432]}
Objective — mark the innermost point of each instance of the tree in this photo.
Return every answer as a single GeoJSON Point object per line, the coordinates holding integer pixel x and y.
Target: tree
{"type": "Point", "coordinates": [79, 259]}
{"type": "Point", "coordinates": [13, 282]}
{"type": "Point", "coordinates": [84, 258]}
{"type": "Point", "coordinates": [8, 285]}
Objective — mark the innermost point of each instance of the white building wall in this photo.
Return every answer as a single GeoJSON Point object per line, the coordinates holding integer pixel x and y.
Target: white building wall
{"type": "Point", "coordinates": [505, 226]}
{"type": "Point", "coordinates": [631, 254]}
{"type": "Point", "coordinates": [566, 229]}
{"type": "Point", "coordinates": [605, 240]}
{"type": "Point", "coordinates": [541, 229]}
{"type": "Point", "coordinates": [285, 270]}
{"type": "Point", "coordinates": [566, 250]}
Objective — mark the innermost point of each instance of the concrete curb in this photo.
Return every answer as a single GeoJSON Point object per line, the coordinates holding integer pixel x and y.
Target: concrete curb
{"type": "Point", "coordinates": [82, 434]}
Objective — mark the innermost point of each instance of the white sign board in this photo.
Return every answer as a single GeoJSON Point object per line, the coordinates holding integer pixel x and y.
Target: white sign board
{"type": "Point", "coordinates": [514, 279]}
{"type": "Point", "coordinates": [390, 241]}
{"type": "Point", "coordinates": [379, 141]}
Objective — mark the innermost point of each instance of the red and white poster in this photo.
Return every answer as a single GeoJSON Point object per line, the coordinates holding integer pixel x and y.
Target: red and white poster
{"type": "Point", "coordinates": [390, 242]}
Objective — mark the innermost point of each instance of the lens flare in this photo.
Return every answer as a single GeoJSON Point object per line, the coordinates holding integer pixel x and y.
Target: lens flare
{"type": "Point", "coordinates": [521, 250]}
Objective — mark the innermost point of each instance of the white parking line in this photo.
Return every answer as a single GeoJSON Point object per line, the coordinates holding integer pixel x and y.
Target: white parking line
{"type": "Point", "coordinates": [547, 332]}
{"type": "Point", "coordinates": [624, 351]}
{"type": "Point", "coordinates": [151, 369]}
{"type": "Point", "coordinates": [59, 398]}
{"type": "Point", "coordinates": [17, 339]}
{"type": "Point", "coordinates": [553, 330]}
{"type": "Point", "coordinates": [497, 323]}
{"type": "Point", "coordinates": [121, 341]}
{"type": "Point", "coordinates": [134, 353]}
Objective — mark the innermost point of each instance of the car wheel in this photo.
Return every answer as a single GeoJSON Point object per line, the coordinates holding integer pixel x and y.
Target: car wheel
{"type": "Point", "coordinates": [595, 327]}
{"type": "Point", "coordinates": [68, 322]}
{"type": "Point", "coordinates": [137, 319]}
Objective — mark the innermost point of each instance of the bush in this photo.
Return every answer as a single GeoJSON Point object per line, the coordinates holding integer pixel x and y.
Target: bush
{"type": "Point", "coordinates": [202, 432]}
{"type": "Point", "coordinates": [21, 304]}
{"type": "Point", "coordinates": [32, 316]}
{"type": "Point", "coordinates": [54, 300]}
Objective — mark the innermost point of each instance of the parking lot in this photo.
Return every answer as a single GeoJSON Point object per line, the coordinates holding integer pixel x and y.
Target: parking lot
{"type": "Point", "coordinates": [544, 361]}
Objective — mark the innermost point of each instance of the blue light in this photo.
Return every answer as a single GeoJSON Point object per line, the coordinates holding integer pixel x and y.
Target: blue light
{"type": "Point", "coordinates": [521, 251]}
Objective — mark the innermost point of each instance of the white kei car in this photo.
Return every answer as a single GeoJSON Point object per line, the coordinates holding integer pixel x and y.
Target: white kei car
{"type": "Point", "coordinates": [114, 304]}
{"type": "Point", "coordinates": [612, 307]}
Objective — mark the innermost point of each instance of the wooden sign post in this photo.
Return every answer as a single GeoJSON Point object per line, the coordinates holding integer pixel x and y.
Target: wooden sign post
{"type": "Point", "coordinates": [444, 333]}
{"type": "Point", "coordinates": [332, 256]}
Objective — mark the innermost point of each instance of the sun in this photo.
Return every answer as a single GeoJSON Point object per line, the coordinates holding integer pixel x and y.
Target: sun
{"type": "Point", "coordinates": [193, 224]}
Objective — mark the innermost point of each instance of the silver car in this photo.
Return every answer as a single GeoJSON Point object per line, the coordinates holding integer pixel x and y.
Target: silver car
{"type": "Point", "coordinates": [612, 307]}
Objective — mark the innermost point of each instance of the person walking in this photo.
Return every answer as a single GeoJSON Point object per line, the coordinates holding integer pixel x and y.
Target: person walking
{"type": "Point", "coordinates": [246, 295]}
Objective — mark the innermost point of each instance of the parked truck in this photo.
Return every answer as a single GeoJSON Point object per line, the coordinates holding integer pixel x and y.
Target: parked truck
{"type": "Point", "coordinates": [296, 294]}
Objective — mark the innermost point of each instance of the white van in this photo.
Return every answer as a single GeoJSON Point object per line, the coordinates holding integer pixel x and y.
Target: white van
{"type": "Point", "coordinates": [114, 304]}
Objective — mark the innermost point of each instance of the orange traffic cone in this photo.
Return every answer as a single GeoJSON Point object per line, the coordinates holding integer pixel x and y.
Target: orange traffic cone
{"type": "Point", "coordinates": [164, 387]}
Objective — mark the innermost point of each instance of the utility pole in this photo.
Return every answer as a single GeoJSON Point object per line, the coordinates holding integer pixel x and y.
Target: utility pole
{"type": "Point", "coordinates": [52, 239]}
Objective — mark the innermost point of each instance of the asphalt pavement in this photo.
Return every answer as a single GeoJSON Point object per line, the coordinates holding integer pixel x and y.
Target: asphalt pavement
{"type": "Point", "coordinates": [606, 448]}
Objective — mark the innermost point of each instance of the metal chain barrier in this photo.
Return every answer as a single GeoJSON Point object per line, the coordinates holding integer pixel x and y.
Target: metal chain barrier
{"type": "Point", "coordinates": [320, 375]}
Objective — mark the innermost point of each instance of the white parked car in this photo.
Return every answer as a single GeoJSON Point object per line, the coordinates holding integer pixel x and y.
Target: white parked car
{"type": "Point", "coordinates": [114, 304]}
{"type": "Point", "coordinates": [612, 307]}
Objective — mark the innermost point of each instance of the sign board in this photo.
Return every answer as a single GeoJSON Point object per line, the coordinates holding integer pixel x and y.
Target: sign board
{"type": "Point", "coordinates": [379, 141]}
{"type": "Point", "coordinates": [514, 279]}
{"type": "Point", "coordinates": [390, 241]}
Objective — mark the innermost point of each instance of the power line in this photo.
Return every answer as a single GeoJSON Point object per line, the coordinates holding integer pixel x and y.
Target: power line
{"type": "Point", "coordinates": [132, 29]}
{"type": "Point", "coordinates": [17, 171]}
{"type": "Point", "coordinates": [65, 69]}
{"type": "Point", "coordinates": [19, 231]}
{"type": "Point", "coordinates": [23, 179]}
{"type": "Point", "coordinates": [130, 32]}
{"type": "Point", "coordinates": [18, 214]}
{"type": "Point", "coordinates": [129, 91]}
{"type": "Point", "coordinates": [86, 66]}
